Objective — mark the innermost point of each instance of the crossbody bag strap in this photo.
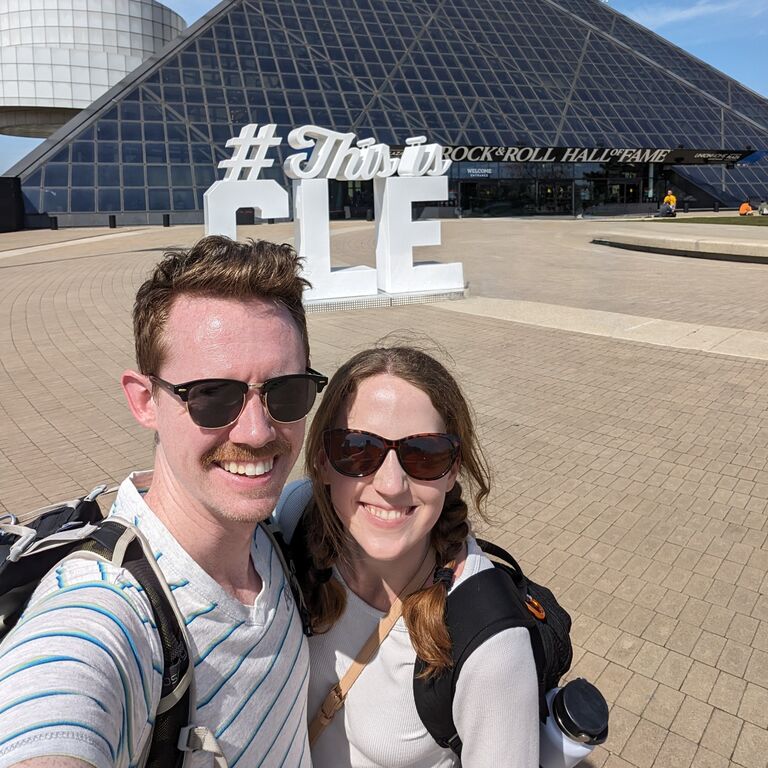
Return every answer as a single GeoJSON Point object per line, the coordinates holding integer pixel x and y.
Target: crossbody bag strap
{"type": "Point", "coordinates": [334, 701]}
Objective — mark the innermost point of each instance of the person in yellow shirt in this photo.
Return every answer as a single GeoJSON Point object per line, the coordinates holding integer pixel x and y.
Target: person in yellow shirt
{"type": "Point", "coordinates": [745, 209]}
{"type": "Point", "coordinates": [670, 199]}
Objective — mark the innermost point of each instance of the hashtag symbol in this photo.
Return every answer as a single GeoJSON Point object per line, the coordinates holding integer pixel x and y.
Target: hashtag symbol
{"type": "Point", "coordinates": [250, 152]}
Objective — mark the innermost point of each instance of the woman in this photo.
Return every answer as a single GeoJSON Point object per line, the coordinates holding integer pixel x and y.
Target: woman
{"type": "Point", "coordinates": [388, 517]}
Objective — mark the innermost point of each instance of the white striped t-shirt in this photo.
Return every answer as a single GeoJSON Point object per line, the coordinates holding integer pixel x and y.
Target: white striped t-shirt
{"type": "Point", "coordinates": [80, 675]}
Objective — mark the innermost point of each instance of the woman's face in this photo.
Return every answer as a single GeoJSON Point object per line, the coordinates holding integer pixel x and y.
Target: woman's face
{"type": "Point", "coordinates": [389, 514]}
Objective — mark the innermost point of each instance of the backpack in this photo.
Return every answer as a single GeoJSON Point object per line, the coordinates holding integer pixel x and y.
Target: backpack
{"type": "Point", "coordinates": [77, 528]}
{"type": "Point", "coordinates": [480, 607]}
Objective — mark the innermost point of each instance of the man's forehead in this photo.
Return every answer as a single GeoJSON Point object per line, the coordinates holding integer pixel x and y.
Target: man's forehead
{"type": "Point", "coordinates": [190, 312]}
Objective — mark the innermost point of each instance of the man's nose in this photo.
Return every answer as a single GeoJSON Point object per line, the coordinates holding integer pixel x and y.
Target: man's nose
{"type": "Point", "coordinates": [254, 425]}
{"type": "Point", "coordinates": [390, 478]}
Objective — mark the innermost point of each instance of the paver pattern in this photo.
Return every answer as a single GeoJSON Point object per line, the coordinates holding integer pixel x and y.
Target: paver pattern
{"type": "Point", "coordinates": [631, 478]}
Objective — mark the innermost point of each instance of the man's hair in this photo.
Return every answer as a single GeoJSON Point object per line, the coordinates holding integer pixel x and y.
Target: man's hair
{"type": "Point", "coordinates": [216, 267]}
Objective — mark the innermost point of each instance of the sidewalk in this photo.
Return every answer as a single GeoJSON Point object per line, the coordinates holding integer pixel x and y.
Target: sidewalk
{"type": "Point", "coordinates": [630, 474]}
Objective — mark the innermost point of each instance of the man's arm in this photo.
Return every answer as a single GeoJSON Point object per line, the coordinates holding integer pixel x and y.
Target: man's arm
{"type": "Point", "coordinates": [80, 674]}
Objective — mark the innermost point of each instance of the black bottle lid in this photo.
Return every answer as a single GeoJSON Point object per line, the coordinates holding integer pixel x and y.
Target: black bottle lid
{"type": "Point", "coordinates": [581, 712]}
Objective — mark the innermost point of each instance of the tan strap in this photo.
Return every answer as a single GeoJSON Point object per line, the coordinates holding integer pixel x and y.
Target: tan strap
{"type": "Point", "coordinates": [334, 701]}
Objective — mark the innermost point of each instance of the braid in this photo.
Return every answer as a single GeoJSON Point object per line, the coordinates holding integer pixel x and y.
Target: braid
{"type": "Point", "coordinates": [452, 528]}
{"type": "Point", "coordinates": [424, 610]}
{"type": "Point", "coordinates": [314, 555]}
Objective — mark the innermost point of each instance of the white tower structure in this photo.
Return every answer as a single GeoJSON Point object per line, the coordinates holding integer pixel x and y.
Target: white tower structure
{"type": "Point", "coordinates": [58, 56]}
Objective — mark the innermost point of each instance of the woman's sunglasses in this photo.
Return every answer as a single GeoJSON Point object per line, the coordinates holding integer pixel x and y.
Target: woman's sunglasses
{"type": "Point", "coordinates": [218, 403]}
{"type": "Point", "coordinates": [355, 453]}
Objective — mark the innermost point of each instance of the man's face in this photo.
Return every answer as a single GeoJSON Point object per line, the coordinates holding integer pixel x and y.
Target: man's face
{"type": "Point", "coordinates": [252, 341]}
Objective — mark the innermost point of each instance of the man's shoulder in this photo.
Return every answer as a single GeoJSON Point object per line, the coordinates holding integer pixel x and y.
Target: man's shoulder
{"type": "Point", "coordinates": [99, 582]}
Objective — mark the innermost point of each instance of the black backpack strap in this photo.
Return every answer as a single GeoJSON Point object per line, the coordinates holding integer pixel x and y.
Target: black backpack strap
{"type": "Point", "coordinates": [120, 545]}
{"type": "Point", "coordinates": [477, 609]}
{"type": "Point", "coordinates": [287, 561]}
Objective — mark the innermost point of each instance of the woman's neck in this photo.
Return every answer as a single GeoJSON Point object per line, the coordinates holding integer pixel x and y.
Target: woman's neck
{"type": "Point", "coordinates": [379, 582]}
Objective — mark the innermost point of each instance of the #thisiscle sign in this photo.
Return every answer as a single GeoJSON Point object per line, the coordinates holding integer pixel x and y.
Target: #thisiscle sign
{"type": "Point", "coordinates": [322, 154]}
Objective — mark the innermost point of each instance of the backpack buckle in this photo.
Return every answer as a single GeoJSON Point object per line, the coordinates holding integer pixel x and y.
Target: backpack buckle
{"type": "Point", "coordinates": [18, 548]}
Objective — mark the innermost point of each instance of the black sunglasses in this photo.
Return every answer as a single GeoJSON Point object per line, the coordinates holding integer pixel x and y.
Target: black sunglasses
{"type": "Point", "coordinates": [218, 403]}
{"type": "Point", "coordinates": [355, 453]}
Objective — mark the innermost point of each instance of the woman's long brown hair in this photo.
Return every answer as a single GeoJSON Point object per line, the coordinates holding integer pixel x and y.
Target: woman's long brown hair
{"type": "Point", "coordinates": [324, 536]}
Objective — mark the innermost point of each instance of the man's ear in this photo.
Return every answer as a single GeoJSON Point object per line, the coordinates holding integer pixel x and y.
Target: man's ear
{"type": "Point", "coordinates": [138, 392]}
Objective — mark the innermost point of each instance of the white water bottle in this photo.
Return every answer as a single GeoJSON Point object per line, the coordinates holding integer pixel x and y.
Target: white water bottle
{"type": "Point", "coordinates": [577, 722]}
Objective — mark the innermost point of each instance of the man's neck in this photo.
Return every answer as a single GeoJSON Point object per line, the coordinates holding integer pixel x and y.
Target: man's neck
{"type": "Point", "coordinates": [222, 548]}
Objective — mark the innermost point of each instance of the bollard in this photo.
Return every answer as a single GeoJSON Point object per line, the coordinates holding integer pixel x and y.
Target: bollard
{"type": "Point", "coordinates": [369, 214]}
{"type": "Point", "coordinates": [112, 221]}
{"type": "Point", "coordinates": [166, 219]}
{"type": "Point", "coordinates": [686, 207]}
{"type": "Point", "coordinates": [716, 207]}
{"type": "Point", "coordinates": [54, 222]}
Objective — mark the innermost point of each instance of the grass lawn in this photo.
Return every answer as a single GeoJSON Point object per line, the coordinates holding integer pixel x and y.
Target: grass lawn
{"type": "Point", "coordinates": [750, 221]}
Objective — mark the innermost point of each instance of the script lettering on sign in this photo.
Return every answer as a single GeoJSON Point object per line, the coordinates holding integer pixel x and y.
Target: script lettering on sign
{"type": "Point", "coordinates": [679, 156]}
{"type": "Point", "coordinates": [418, 174]}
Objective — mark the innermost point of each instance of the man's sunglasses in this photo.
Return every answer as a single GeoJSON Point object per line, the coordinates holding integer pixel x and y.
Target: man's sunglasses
{"type": "Point", "coordinates": [355, 453]}
{"type": "Point", "coordinates": [218, 403]}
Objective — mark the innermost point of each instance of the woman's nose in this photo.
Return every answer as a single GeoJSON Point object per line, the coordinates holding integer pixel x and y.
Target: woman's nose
{"type": "Point", "coordinates": [390, 478]}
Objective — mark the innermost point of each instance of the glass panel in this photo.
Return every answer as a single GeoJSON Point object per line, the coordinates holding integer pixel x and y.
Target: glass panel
{"type": "Point", "coordinates": [55, 200]}
{"type": "Point", "coordinates": [106, 131]}
{"type": "Point", "coordinates": [178, 154]}
{"type": "Point", "coordinates": [56, 175]}
{"type": "Point", "coordinates": [82, 175]}
{"type": "Point", "coordinates": [130, 131]}
{"type": "Point", "coordinates": [159, 200]}
{"type": "Point", "coordinates": [157, 176]}
{"type": "Point", "coordinates": [132, 153]}
{"type": "Point", "coordinates": [82, 200]}
{"type": "Point", "coordinates": [133, 175]}
{"type": "Point", "coordinates": [181, 176]}
{"type": "Point", "coordinates": [154, 132]}
{"type": "Point", "coordinates": [156, 153]}
{"type": "Point", "coordinates": [134, 200]}
{"type": "Point", "coordinates": [109, 175]}
{"type": "Point", "coordinates": [130, 111]}
{"type": "Point", "coordinates": [82, 152]}
{"type": "Point", "coordinates": [183, 200]}
{"type": "Point", "coordinates": [109, 199]}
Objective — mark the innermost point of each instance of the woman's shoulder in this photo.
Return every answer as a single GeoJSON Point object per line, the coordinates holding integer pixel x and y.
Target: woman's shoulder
{"type": "Point", "coordinates": [291, 505]}
{"type": "Point", "coordinates": [475, 561]}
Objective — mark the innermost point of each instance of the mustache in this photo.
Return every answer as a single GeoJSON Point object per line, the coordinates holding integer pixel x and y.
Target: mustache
{"type": "Point", "coordinates": [244, 454]}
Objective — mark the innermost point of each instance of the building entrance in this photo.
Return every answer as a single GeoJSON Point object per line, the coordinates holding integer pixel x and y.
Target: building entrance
{"type": "Point", "coordinates": [516, 197]}
{"type": "Point", "coordinates": [555, 196]}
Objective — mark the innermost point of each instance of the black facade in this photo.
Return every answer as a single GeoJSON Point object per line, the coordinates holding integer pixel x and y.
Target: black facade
{"type": "Point", "coordinates": [533, 73]}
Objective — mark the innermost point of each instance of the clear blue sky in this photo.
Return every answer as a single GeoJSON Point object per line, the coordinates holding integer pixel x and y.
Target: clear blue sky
{"type": "Point", "coordinates": [731, 35]}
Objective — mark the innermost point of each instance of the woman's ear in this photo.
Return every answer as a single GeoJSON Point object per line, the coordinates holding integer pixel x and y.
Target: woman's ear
{"type": "Point", "coordinates": [138, 392]}
{"type": "Point", "coordinates": [453, 474]}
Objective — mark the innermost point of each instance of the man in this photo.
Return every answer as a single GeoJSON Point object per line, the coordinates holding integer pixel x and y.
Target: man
{"type": "Point", "coordinates": [671, 200]}
{"type": "Point", "coordinates": [745, 209]}
{"type": "Point", "coordinates": [80, 675]}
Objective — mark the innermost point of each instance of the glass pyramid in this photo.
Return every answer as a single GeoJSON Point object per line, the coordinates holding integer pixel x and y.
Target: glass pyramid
{"type": "Point", "coordinates": [518, 72]}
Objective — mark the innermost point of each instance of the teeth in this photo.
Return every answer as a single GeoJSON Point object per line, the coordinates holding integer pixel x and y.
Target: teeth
{"type": "Point", "coordinates": [386, 514]}
{"type": "Point", "coordinates": [248, 469]}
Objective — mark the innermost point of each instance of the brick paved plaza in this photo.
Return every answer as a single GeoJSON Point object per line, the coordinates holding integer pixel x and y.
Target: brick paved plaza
{"type": "Point", "coordinates": [632, 477]}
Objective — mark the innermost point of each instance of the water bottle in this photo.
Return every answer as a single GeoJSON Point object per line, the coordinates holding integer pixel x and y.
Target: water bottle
{"type": "Point", "coordinates": [577, 722]}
